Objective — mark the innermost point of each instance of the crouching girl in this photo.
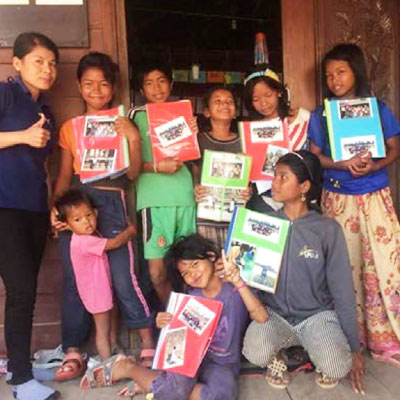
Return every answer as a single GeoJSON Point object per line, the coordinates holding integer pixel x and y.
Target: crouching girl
{"type": "Point", "coordinates": [314, 304]}
{"type": "Point", "coordinates": [192, 260]}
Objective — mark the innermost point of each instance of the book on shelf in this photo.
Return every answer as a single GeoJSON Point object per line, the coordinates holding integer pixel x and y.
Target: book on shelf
{"type": "Point", "coordinates": [354, 126]}
{"type": "Point", "coordinates": [103, 153]}
{"type": "Point", "coordinates": [225, 175]}
{"type": "Point", "coordinates": [265, 141]}
{"type": "Point", "coordinates": [170, 133]}
{"type": "Point", "coordinates": [257, 242]}
{"type": "Point", "coordinates": [183, 343]}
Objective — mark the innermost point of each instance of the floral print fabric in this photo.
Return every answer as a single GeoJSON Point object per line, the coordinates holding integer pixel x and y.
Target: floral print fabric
{"type": "Point", "coordinates": [372, 233]}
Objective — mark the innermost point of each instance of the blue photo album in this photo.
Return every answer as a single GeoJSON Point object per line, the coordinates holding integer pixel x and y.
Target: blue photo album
{"type": "Point", "coordinates": [354, 126]}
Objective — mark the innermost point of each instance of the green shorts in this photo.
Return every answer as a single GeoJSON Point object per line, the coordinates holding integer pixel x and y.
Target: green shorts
{"type": "Point", "coordinates": [163, 225]}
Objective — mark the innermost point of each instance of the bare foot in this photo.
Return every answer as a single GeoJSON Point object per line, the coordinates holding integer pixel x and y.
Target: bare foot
{"type": "Point", "coordinates": [123, 368]}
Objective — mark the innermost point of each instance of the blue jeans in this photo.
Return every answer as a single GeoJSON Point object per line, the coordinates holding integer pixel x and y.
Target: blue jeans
{"type": "Point", "coordinates": [135, 312]}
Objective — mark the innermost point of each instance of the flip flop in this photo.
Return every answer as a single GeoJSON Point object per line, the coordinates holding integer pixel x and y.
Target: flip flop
{"type": "Point", "coordinates": [277, 375]}
{"type": "Point", "coordinates": [324, 381]}
{"type": "Point", "coordinates": [72, 367]}
{"type": "Point", "coordinates": [100, 376]}
{"type": "Point", "coordinates": [387, 357]}
{"type": "Point", "coordinates": [147, 357]}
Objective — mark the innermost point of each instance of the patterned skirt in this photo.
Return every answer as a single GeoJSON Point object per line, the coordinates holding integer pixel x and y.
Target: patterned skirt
{"type": "Point", "coordinates": [372, 234]}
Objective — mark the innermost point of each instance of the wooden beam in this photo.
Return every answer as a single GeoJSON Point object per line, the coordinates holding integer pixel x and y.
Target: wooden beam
{"type": "Point", "coordinates": [299, 55]}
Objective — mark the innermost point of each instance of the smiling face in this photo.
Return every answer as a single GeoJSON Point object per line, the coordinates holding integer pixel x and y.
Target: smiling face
{"type": "Point", "coordinates": [196, 273]}
{"type": "Point", "coordinates": [95, 90]}
{"type": "Point", "coordinates": [38, 69]}
{"type": "Point", "coordinates": [340, 79]}
{"type": "Point", "coordinates": [156, 87]}
{"type": "Point", "coordinates": [221, 106]}
{"type": "Point", "coordinates": [265, 100]}
{"type": "Point", "coordinates": [286, 187]}
{"type": "Point", "coordinates": [82, 219]}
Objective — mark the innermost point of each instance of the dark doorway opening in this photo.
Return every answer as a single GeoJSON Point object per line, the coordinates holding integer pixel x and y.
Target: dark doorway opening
{"type": "Point", "coordinates": [217, 35]}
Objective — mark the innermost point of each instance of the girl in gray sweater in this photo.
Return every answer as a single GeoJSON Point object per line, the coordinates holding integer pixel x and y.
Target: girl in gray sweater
{"type": "Point", "coordinates": [314, 304]}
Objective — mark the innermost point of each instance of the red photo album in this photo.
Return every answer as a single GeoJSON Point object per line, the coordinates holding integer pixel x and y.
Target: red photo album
{"type": "Point", "coordinates": [170, 132]}
{"type": "Point", "coordinates": [183, 343]}
{"type": "Point", "coordinates": [102, 152]}
{"type": "Point", "coordinates": [265, 142]}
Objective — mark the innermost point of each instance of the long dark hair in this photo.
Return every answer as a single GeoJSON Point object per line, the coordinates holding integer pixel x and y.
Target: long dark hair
{"type": "Point", "coordinates": [27, 41]}
{"type": "Point", "coordinates": [283, 102]}
{"type": "Point", "coordinates": [192, 247]}
{"type": "Point", "coordinates": [353, 55]}
{"type": "Point", "coordinates": [306, 166]}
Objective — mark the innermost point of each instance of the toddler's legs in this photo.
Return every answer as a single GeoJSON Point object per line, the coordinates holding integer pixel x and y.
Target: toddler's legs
{"type": "Point", "coordinates": [146, 335]}
{"type": "Point", "coordinates": [114, 330]}
{"type": "Point", "coordinates": [103, 329]}
{"type": "Point", "coordinates": [158, 276]}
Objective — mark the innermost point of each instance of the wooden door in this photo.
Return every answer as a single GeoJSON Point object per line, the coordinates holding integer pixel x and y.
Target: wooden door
{"type": "Point", "coordinates": [107, 33]}
{"type": "Point", "coordinates": [311, 27]}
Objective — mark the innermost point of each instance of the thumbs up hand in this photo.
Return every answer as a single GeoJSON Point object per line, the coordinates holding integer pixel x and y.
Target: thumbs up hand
{"type": "Point", "coordinates": [36, 135]}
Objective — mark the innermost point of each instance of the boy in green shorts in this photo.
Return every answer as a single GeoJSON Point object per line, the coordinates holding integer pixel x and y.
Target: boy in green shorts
{"type": "Point", "coordinates": [164, 189]}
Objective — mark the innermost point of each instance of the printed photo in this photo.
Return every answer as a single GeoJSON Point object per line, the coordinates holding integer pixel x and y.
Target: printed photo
{"type": "Point", "coordinates": [224, 166]}
{"type": "Point", "coordinates": [175, 343]}
{"type": "Point", "coordinates": [99, 160]}
{"type": "Point", "coordinates": [274, 153]}
{"type": "Point", "coordinates": [243, 254]}
{"type": "Point", "coordinates": [263, 228]}
{"type": "Point", "coordinates": [266, 131]}
{"type": "Point", "coordinates": [353, 145]}
{"type": "Point", "coordinates": [219, 204]}
{"type": "Point", "coordinates": [265, 272]}
{"type": "Point", "coordinates": [196, 316]}
{"type": "Point", "coordinates": [358, 108]}
{"type": "Point", "coordinates": [172, 131]}
{"type": "Point", "coordinates": [100, 126]}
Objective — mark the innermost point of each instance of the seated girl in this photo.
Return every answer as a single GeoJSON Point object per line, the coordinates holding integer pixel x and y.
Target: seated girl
{"type": "Point", "coordinates": [192, 260]}
{"type": "Point", "coordinates": [314, 303]}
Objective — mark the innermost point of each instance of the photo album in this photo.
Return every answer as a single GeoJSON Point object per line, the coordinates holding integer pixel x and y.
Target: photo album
{"type": "Point", "coordinates": [102, 152]}
{"type": "Point", "coordinates": [183, 343]}
{"type": "Point", "coordinates": [225, 175]}
{"type": "Point", "coordinates": [170, 132]}
{"type": "Point", "coordinates": [257, 242]}
{"type": "Point", "coordinates": [265, 142]}
{"type": "Point", "coordinates": [354, 126]}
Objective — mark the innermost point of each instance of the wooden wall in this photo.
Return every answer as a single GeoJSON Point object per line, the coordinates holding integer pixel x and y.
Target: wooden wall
{"type": "Point", "coordinates": [311, 27]}
{"type": "Point", "coordinates": [299, 52]}
{"type": "Point", "coordinates": [107, 34]}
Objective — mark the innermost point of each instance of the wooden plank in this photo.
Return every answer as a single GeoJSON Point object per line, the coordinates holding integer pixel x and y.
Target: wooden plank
{"type": "Point", "coordinates": [256, 388]}
{"type": "Point", "coordinates": [388, 375]}
{"type": "Point", "coordinates": [303, 386]}
{"type": "Point", "coordinates": [298, 41]}
{"type": "Point", "coordinates": [124, 89]}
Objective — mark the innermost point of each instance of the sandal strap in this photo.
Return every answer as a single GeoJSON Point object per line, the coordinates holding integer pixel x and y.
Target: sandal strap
{"type": "Point", "coordinates": [325, 378]}
{"type": "Point", "coordinates": [277, 367]}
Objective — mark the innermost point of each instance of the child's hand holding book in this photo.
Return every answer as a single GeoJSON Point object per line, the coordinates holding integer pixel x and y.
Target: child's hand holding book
{"type": "Point", "coordinates": [167, 165]}
{"type": "Point", "coordinates": [124, 127]}
{"type": "Point", "coordinates": [163, 319]}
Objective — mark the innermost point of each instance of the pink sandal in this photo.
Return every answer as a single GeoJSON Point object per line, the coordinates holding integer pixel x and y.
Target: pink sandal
{"type": "Point", "coordinates": [146, 357]}
{"type": "Point", "coordinates": [387, 357]}
{"type": "Point", "coordinates": [73, 366]}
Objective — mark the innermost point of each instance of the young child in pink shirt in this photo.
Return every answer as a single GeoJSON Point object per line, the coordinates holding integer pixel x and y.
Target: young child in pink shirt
{"type": "Point", "coordinates": [90, 264]}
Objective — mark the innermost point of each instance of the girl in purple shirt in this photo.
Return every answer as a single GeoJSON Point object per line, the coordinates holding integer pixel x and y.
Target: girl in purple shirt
{"type": "Point", "coordinates": [193, 261]}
